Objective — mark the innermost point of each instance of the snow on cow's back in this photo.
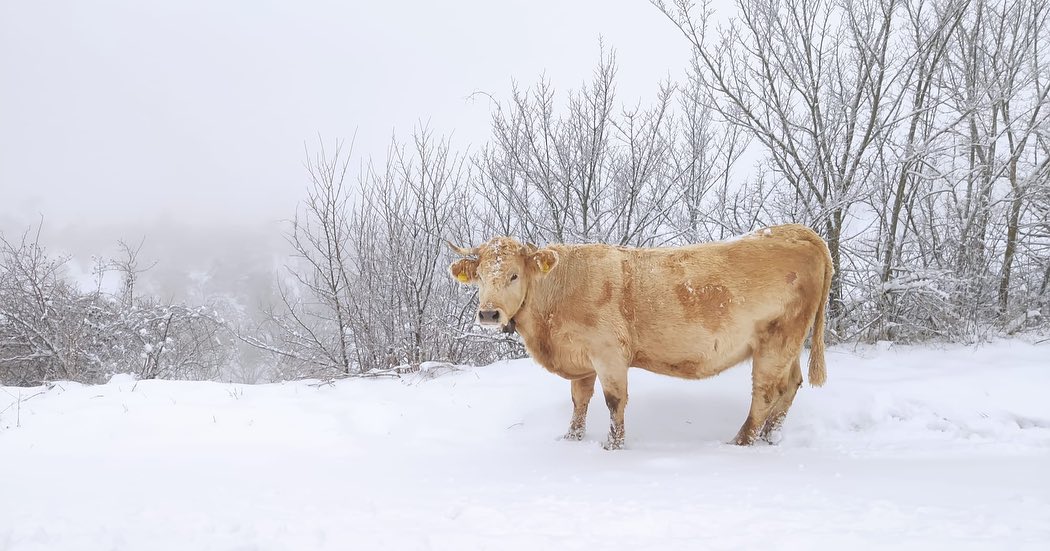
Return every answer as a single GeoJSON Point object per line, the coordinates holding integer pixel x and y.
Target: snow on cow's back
{"type": "Point", "coordinates": [760, 232]}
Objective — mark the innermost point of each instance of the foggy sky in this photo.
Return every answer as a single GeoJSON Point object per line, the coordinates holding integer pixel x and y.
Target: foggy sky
{"type": "Point", "coordinates": [124, 118]}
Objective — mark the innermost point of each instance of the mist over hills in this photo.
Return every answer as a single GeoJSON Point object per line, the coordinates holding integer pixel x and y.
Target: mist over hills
{"type": "Point", "coordinates": [190, 262]}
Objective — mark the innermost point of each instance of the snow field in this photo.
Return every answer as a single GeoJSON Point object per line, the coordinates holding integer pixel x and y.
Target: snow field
{"type": "Point", "coordinates": [904, 448]}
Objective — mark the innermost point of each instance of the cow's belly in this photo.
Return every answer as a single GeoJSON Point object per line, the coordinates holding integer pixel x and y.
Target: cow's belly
{"type": "Point", "coordinates": [703, 358]}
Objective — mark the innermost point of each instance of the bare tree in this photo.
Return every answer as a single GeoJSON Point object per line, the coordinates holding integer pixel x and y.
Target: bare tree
{"type": "Point", "coordinates": [401, 223]}
{"type": "Point", "coordinates": [370, 290]}
{"type": "Point", "coordinates": [312, 331]}
{"type": "Point", "coordinates": [907, 154]}
{"type": "Point", "coordinates": [128, 268]}
{"type": "Point", "coordinates": [811, 81]}
{"type": "Point", "coordinates": [702, 158]}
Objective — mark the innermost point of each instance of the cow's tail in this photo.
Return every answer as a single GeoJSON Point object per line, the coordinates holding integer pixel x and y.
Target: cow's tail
{"type": "Point", "coordinates": [818, 372]}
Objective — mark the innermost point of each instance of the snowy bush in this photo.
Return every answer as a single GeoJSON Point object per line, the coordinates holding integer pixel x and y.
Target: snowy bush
{"type": "Point", "coordinates": [52, 330]}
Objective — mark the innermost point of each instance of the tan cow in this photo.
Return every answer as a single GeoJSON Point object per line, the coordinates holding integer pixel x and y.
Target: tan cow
{"type": "Point", "coordinates": [592, 311]}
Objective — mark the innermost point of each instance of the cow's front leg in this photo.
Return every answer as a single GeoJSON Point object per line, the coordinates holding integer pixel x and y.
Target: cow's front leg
{"type": "Point", "coordinates": [614, 385]}
{"type": "Point", "coordinates": [582, 390]}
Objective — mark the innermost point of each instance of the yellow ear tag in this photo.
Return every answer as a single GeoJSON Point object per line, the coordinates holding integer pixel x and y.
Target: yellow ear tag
{"type": "Point", "coordinates": [462, 277]}
{"type": "Point", "coordinates": [544, 266]}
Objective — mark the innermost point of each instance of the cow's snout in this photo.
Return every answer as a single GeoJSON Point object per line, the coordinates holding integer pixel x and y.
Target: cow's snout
{"type": "Point", "coordinates": [488, 316]}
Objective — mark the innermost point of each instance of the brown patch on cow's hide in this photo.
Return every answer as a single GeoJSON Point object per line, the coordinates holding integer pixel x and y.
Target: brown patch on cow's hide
{"type": "Point", "coordinates": [607, 293]}
{"type": "Point", "coordinates": [708, 304]}
{"type": "Point", "coordinates": [790, 277]}
{"type": "Point", "coordinates": [543, 353]}
{"type": "Point", "coordinates": [583, 316]}
{"type": "Point", "coordinates": [612, 401]}
{"type": "Point", "coordinates": [772, 327]}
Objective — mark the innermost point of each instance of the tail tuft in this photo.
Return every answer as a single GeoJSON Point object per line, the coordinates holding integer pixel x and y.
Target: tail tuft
{"type": "Point", "coordinates": [818, 373]}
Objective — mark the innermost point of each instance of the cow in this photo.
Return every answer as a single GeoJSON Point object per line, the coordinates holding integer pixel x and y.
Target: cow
{"type": "Point", "coordinates": [592, 311]}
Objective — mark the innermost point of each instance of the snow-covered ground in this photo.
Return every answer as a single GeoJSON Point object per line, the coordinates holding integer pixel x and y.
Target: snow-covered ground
{"type": "Point", "coordinates": [904, 448]}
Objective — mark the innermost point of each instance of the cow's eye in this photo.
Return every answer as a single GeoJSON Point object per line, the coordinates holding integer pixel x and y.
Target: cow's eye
{"type": "Point", "coordinates": [513, 277]}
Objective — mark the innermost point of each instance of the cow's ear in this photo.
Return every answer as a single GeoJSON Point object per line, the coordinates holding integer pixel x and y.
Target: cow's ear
{"type": "Point", "coordinates": [464, 270]}
{"type": "Point", "coordinates": [545, 260]}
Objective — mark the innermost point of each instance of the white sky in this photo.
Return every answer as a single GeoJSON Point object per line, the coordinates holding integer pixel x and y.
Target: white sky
{"type": "Point", "coordinates": [184, 122]}
{"type": "Point", "coordinates": [127, 112]}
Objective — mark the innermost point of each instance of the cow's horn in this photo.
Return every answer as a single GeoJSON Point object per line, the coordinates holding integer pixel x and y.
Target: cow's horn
{"type": "Point", "coordinates": [461, 251]}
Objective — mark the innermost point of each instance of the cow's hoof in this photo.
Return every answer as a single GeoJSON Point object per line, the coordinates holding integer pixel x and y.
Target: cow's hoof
{"type": "Point", "coordinates": [773, 438]}
{"type": "Point", "coordinates": [573, 435]}
{"type": "Point", "coordinates": [743, 440]}
{"type": "Point", "coordinates": [613, 444]}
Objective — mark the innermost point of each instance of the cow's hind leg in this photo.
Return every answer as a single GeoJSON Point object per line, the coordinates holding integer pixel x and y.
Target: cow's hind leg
{"type": "Point", "coordinates": [582, 390]}
{"type": "Point", "coordinates": [788, 387]}
{"type": "Point", "coordinates": [616, 400]}
{"type": "Point", "coordinates": [770, 370]}
{"type": "Point", "coordinates": [614, 386]}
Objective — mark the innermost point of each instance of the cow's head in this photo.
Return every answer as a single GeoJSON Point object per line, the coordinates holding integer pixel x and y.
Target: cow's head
{"type": "Point", "coordinates": [503, 270]}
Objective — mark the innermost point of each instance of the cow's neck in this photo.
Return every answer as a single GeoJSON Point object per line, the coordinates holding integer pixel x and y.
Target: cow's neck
{"type": "Point", "coordinates": [545, 295]}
